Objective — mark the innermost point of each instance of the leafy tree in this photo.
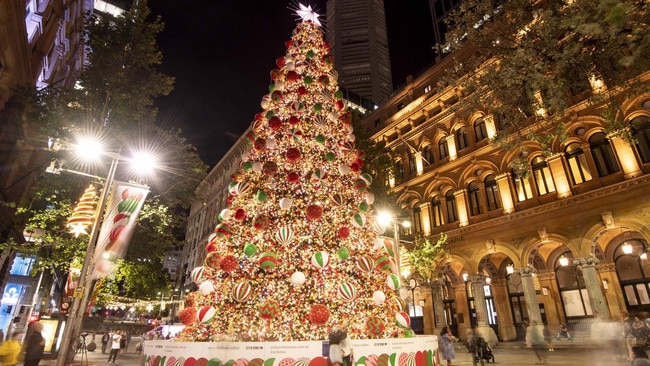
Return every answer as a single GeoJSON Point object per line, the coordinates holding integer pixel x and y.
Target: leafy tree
{"type": "Point", "coordinates": [527, 62]}
{"type": "Point", "coordinates": [425, 255]}
{"type": "Point", "coordinates": [114, 99]}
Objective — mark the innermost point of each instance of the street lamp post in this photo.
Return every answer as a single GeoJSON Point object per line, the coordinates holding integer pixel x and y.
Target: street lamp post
{"type": "Point", "coordinates": [384, 219]}
{"type": "Point", "coordinates": [161, 304]}
{"type": "Point", "coordinates": [82, 292]}
{"type": "Point", "coordinates": [413, 284]}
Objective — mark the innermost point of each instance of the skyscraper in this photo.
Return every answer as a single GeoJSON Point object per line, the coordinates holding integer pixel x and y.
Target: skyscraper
{"type": "Point", "coordinates": [356, 30]}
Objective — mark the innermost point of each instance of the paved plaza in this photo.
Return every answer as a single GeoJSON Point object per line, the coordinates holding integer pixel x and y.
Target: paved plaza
{"type": "Point", "coordinates": [508, 354]}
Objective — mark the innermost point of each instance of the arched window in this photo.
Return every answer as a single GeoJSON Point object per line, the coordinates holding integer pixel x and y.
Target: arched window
{"type": "Point", "coordinates": [461, 138]}
{"type": "Point", "coordinates": [417, 224]}
{"type": "Point", "coordinates": [427, 154]}
{"type": "Point", "coordinates": [480, 131]}
{"type": "Point", "coordinates": [442, 148]}
{"type": "Point", "coordinates": [572, 288]}
{"type": "Point", "coordinates": [399, 176]}
{"type": "Point", "coordinates": [603, 155]}
{"type": "Point", "coordinates": [492, 196]}
{"type": "Point", "coordinates": [634, 274]}
{"type": "Point", "coordinates": [640, 129]}
{"type": "Point", "coordinates": [452, 215]}
{"type": "Point", "coordinates": [474, 202]}
{"type": "Point", "coordinates": [577, 163]}
{"type": "Point", "coordinates": [542, 176]}
{"type": "Point", "coordinates": [436, 212]}
{"type": "Point", "coordinates": [522, 185]}
{"type": "Point", "coordinates": [412, 165]}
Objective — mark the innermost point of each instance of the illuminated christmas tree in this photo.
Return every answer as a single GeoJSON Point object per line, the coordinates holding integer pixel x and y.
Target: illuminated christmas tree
{"type": "Point", "coordinates": [297, 248]}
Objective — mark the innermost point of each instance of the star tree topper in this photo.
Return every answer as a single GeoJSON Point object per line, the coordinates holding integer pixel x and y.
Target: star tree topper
{"type": "Point", "coordinates": [307, 13]}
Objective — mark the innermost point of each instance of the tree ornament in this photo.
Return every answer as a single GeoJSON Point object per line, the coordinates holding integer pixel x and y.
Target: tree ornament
{"type": "Point", "coordinates": [382, 263]}
{"type": "Point", "coordinates": [319, 314]}
{"type": "Point", "coordinates": [293, 177]}
{"type": "Point", "coordinates": [250, 249]}
{"type": "Point", "coordinates": [347, 292]}
{"type": "Point", "coordinates": [198, 274]}
{"type": "Point", "coordinates": [375, 327]}
{"type": "Point", "coordinates": [250, 138]}
{"type": "Point", "coordinates": [293, 154]}
{"type": "Point", "coordinates": [358, 220]}
{"type": "Point", "coordinates": [222, 230]}
{"type": "Point", "coordinates": [212, 245]}
{"type": "Point", "coordinates": [367, 178]}
{"type": "Point", "coordinates": [330, 157]}
{"type": "Point", "coordinates": [206, 288]}
{"type": "Point", "coordinates": [260, 144]}
{"type": "Point", "coordinates": [271, 143]}
{"type": "Point", "coordinates": [225, 214]}
{"type": "Point", "coordinates": [320, 260]}
{"type": "Point", "coordinates": [298, 278]}
{"type": "Point", "coordinates": [229, 263]}
{"type": "Point", "coordinates": [363, 207]}
{"type": "Point", "coordinates": [284, 235]}
{"type": "Point", "coordinates": [369, 197]}
{"type": "Point", "coordinates": [261, 196]}
{"type": "Point", "coordinates": [402, 319]}
{"type": "Point", "coordinates": [286, 203]}
{"type": "Point", "coordinates": [343, 254]}
{"type": "Point", "coordinates": [187, 315]}
{"type": "Point", "coordinates": [314, 212]}
{"type": "Point", "coordinates": [257, 167]}
{"type": "Point", "coordinates": [392, 281]}
{"type": "Point", "coordinates": [365, 263]}
{"type": "Point", "coordinates": [242, 291]}
{"type": "Point", "coordinates": [379, 297]}
{"type": "Point", "coordinates": [269, 309]}
{"type": "Point", "coordinates": [212, 260]}
{"type": "Point", "coordinates": [261, 222]}
{"type": "Point", "coordinates": [399, 303]}
{"type": "Point", "coordinates": [343, 233]}
{"type": "Point", "coordinates": [206, 314]}
{"type": "Point", "coordinates": [360, 185]}
{"type": "Point", "coordinates": [247, 166]}
{"type": "Point", "coordinates": [337, 199]}
{"type": "Point", "coordinates": [320, 139]}
{"type": "Point", "coordinates": [294, 121]}
{"type": "Point", "coordinates": [268, 261]}
{"type": "Point", "coordinates": [292, 76]}
{"type": "Point", "coordinates": [270, 168]}
{"type": "Point", "coordinates": [240, 214]}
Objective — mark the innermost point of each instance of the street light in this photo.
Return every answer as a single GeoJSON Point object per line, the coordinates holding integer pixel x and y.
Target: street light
{"type": "Point", "coordinates": [87, 148]}
{"type": "Point", "coordinates": [413, 284]}
{"type": "Point", "coordinates": [384, 219]}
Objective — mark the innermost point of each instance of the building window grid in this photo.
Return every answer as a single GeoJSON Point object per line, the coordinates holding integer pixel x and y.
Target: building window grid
{"type": "Point", "coordinates": [443, 149]}
{"type": "Point", "coordinates": [480, 130]}
{"type": "Point", "coordinates": [461, 138]}
{"type": "Point", "coordinates": [452, 215]}
{"type": "Point", "coordinates": [522, 185]}
{"type": "Point", "coordinates": [577, 162]}
{"type": "Point", "coordinates": [474, 201]}
{"type": "Point", "coordinates": [542, 176]}
{"type": "Point", "coordinates": [412, 165]}
{"type": "Point", "coordinates": [603, 155]}
{"type": "Point", "coordinates": [436, 213]}
{"type": "Point", "coordinates": [427, 153]}
{"type": "Point", "coordinates": [417, 224]}
{"type": "Point", "coordinates": [492, 196]}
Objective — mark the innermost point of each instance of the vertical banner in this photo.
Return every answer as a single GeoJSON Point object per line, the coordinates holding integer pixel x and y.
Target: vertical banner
{"type": "Point", "coordinates": [122, 211]}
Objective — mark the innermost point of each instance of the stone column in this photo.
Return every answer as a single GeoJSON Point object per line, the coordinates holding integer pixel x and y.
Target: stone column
{"type": "Point", "coordinates": [528, 285]}
{"type": "Point", "coordinates": [463, 316]}
{"type": "Point", "coordinates": [427, 309]}
{"type": "Point", "coordinates": [626, 157]}
{"type": "Point", "coordinates": [594, 289]}
{"type": "Point", "coordinates": [484, 329]}
{"type": "Point", "coordinates": [507, 329]}
{"type": "Point", "coordinates": [438, 305]}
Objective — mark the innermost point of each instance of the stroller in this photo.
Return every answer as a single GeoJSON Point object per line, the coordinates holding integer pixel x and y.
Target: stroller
{"type": "Point", "coordinates": [481, 350]}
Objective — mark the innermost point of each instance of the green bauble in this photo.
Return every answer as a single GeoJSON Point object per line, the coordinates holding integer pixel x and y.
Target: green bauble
{"type": "Point", "coordinates": [261, 196]}
{"type": "Point", "coordinates": [318, 107]}
{"type": "Point", "coordinates": [307, 80]}
{"type": "Point", "coordinates": [343, 253]}
{"type": "Point", "coordinates": [247, 166]}
{"type": "Point", "coordinates": [320, 139]}
{"type": "Point", "coordinates": [330, 157]}
{"type": "Point", "coordinates": [310, 54]}
{"type": "Point", "coordinates": [250, 249]}
{"type": "Point", "coordinates": [270, 114]}
{"type": "Point", "coordinates": [363, 207]}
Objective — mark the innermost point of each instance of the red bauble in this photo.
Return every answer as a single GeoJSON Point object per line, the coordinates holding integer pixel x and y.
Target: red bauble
{"type": "Point", "coordinates": [293, 177]}
{"type": "Point", "coordinates": [229, 263]}
{"type": "Point", "coordinates": [344, 232]}
{"type": "Point", "coordinates": [187, 315]}
{"type": "Point", "coordinates": [314, 212]}
{"type": "Point", "coordinates": [326, 46]}
{"type": "Point", "coordinates": [229, 199]}
{"type": "Point", "coordinates": [211, 246]}
{"type": "Point", "coordinates": [293, 120]}
{"type": "Point", "coordinates": [261, 222]}
{"type": "Point", "coordinates": [339, 104]}
{"type": "Point", "coordinates": [293, 154]}
{"type": "Point", "coordinates": [319, 314]}
{"type": "Point", "coordinates": [292, 76]}
{"type": "Point", "coordinates": [276, 96]}
{"type": "Point", "coordinates": [260, 144]}
{"type": "Point", "coordinates": [275, 123]}
{"type": "Point", "coordinates": [240, 214]}
{"type": "Point", "coordinates": [355, 167]}
{"type": "Point", "coordinates": [345, 118]}
{"type": "Point", "coordinates": [359, 162]}
{"type": "Point", "coordinates": [275, 74]}
{"type": "Point", "coordinates": [280, 62]}
{"type": "Point", "coordinates": [302, 91]}
{"type": "Point", "coordinates": [288, 43]}
{"type": "Point", "coordinates": [259, 116]}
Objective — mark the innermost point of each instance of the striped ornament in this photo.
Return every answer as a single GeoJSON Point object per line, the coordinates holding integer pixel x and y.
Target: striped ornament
{"type": "Point", "coordinates": [268, 261]}
{"type": "Point", "coordinates": [225, 215]}
{"type": "Point", "coordinates": [358, 220]}
{"type": "Point", "coordinates": [365, 263]}
{"type": "Point", "coordinates": [284, 235]}
{"type": "Point", "coordinates": [392, 281]}
{"type": "Point", "coordinates": [382, 263]}
{"type": "Point", "coordinates": [197, 274]}
{"type": "Point", "coordinates": [242, 291]}
{"type": "Point", "coordinates": [320, 260]}
{"type": "Point", "coordinates": [206, 314]}
{"type": "Point", "coordinates": [374, 327]}
{"type": "Point", "coordinates": [347, 292]}
{"type": "Point", "coordinates": [212, 260]}
{"type": "Point", "coordinates": [222, 230]}
{"type": "Point", "coordinates": [399, 303]}
{"type": "Point", "coordinates": [269, 309]}
{"type": "Point", "coordinates": [402, 320]}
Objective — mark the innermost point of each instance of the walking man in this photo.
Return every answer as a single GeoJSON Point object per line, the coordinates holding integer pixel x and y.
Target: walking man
{"type": "Point", "coordinates": [116, 337]}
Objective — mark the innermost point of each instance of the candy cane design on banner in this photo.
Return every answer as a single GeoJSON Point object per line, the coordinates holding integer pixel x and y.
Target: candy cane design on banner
{"type": "Point", "coordinates": [122, 211]}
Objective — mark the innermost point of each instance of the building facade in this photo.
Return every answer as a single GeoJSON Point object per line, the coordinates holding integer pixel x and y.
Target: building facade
{"type": "Point", "coordinates": [356, 31]}
{"type": "Point", "coordinates": [562, 241]}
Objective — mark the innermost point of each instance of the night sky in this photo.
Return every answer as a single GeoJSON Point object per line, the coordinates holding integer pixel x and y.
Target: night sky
{"type": "Point", "coordinates": [221, 53]}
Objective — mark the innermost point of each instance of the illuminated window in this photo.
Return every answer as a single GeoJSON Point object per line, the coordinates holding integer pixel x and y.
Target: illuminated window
{"type": "Point", "coordinates": [436, 212]}
{"type": "Point", "coordinates": [640, 129]}
{"type": "Point", "coordinates": [452, 215]}
{"type": "Point", "coordinates": [522, 185]}
{"type": "Point", "coordinates": [442, 148]}
{"type": "Point", "coordinates": [461, 138]}
{"type": "Point", "coordinates": [542, 176]}
{"type": "Point", "coordinates": [412, 165]}
{"type": "Point", "coordinates": [400, 171]}
{"type": "Point", "coordinates": [474, 202]}
{"type": "Point", "coordinates": [492, 193]}
{"type": "Point", "coordinates": [480, 130]}
{"type": "Point", "coordinates": [603, 155]}
{"type": "Point", "coordinates": [427, 154]}
{"type": "Point", "coordinates": [577, 163]}
{"type": "Point", "coordinates": [417, 225]}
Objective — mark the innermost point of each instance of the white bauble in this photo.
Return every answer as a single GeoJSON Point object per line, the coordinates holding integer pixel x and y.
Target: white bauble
{"type": "Point", "coordinates": [286, 203]}
{"type": "Point", "coordinates": [298, 278]}
{"type": "Point", "coordinates": [206, 288]}
{"type": "Point", "coordinates": [379, 297]}
{"type": "Point", "coordinates": [257, 167]}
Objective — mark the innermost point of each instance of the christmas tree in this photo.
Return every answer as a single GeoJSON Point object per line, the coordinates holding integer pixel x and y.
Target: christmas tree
{"type": "Point", "coordinates": [297, 248]}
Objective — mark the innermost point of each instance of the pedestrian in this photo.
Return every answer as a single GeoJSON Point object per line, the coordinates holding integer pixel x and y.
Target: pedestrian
{"type": "Point", "coordinates": [630, 341]}
{"type": "Point", "coordinates": [34, 345]}
{"type": "Point", "coordinates": [115, 346]}
{"type": "Point", "coordinates": [640, 332]}
{"type": "Point", "coordinates": [548, 338]}
{"type": "Point", "coordinates": [563, 331]}
{"type": "Point", "coordinates": [10, 350]}
{"type": "Point", "coordinates": [470, 333]}
{"type": "Point", "coordinates": [639, 357]}
{"type": "Point", "coordinates": [346, 347]}
{"type": "Point", "coordinates": [447, 340]}
{"type": "Point", "coordinates": [123, 342]}
{"type": "Point", "coordinates": [336, 335]}
{"type": "Point", "coordinates": [535, 340]}
{"type": "Point", "coordinates": [105, 339]}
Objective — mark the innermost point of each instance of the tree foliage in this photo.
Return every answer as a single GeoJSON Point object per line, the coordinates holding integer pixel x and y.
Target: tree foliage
{"type": "Point", "coordinates": [530, 61]}
{"type": "Point", "coordinates": [113, 99]}
{"type": "Point", "coordinates": [425, 255]}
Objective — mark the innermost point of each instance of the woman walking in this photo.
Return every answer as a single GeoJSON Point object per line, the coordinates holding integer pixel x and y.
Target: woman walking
{"type": "Point", "coordinates": [447, 340]}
